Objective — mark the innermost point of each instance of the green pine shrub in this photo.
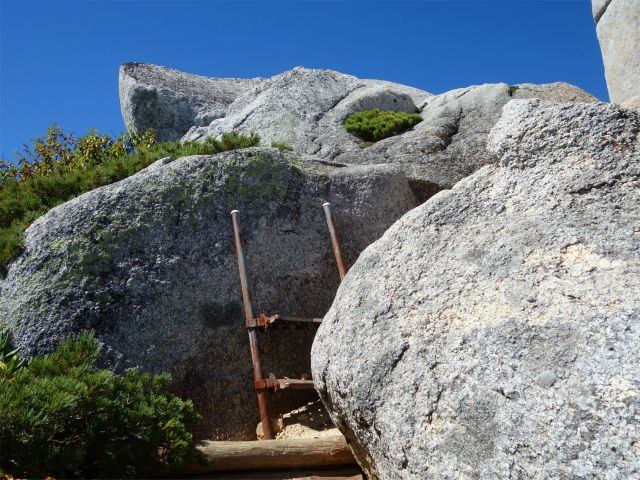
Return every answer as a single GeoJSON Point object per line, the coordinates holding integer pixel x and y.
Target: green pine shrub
{"type": "Point", "coordinates": [284, 146]}
{"type": "Point", "coordinates": [61, 417]}
{"type": "Point", "coordinates": [60, 167]}
{"type": "Point", "coordinates": [211, 146]}
{"type": "Point", "coordinates": [375, 125]}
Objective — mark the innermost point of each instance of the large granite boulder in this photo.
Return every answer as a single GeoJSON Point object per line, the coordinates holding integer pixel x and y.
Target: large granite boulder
{"type": "Point", "coordinates": [149, 263]}
{"type": "Point", "coordinates": [171, 101]}
{"type": "Point", "coordinates": [307, 108]}
{"type": "Point", "coordinates": [494, 331]}
{"type": "Point", "coordinates": [618, 29]}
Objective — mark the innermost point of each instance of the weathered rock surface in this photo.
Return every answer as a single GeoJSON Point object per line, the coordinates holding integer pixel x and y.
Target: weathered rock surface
{"type": "Point", "coordinates": [307, 108]}
{"type": "Point", "coordinates": [149, 263]}
{"type": "Point", "coordinates": [553, 92]}
{"type": "Point", "coordinates": [618, 29]}
{"type": "Point", "coordinates": [450, 143]}
{"type": "Point", "coordinates": [494, 331]}
{"type": "Point", "coordinates": [171, 101]}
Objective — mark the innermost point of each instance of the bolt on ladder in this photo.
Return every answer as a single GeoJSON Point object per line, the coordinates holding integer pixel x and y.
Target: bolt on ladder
{"type": "Point", "coordinates": [262, 384]}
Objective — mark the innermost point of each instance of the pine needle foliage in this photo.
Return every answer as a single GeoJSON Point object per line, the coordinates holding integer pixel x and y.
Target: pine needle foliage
{"type": "Point", "coordinates": [60, 167]}
{"type": "Point", "coordinates": [374, 125]}
{"type": "Point", "coordinates": [61, 417]}
{"type": "Point", "coordinates": [284, 146]}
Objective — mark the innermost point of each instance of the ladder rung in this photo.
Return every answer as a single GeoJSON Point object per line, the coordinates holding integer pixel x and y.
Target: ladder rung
{"type": "Point", "coordinates": [295, 383]}
{"type": "Point", "coordinates": [287, 321]}
{"type": "Point", "coordinates": [286, 318]}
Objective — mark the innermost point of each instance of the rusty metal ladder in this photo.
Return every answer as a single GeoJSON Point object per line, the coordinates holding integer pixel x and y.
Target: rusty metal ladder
{"type": "Point", "coordinates": [262, 384]}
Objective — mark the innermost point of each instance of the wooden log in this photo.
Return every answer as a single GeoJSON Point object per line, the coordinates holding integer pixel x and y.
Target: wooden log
{"type": "Point", "coordinates": [331, 472]}
{"type": "Point", "coordinates": [289, 453]}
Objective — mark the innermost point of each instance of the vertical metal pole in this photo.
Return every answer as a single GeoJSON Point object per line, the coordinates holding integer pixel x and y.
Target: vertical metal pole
{"type": "Point", "coordinates": [253, 334]}
{"type": "Point", "coordinates": [334, 240]}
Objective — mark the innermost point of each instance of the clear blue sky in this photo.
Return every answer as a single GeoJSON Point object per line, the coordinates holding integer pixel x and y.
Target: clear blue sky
{"type": "Point", "coordinates": [59, 60]}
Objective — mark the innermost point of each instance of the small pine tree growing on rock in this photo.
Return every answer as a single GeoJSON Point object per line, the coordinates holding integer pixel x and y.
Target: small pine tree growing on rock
{"type": "Point", "coordinates": [375, 125]}
{"type": "Point", "coordinates": [61, 417]}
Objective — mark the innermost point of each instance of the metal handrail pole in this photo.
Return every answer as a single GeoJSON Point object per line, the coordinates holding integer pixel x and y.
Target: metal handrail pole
{"type": "Point", "coordinates": [253, 334]}
{"type": "Point", "coordinates": [334, 240]}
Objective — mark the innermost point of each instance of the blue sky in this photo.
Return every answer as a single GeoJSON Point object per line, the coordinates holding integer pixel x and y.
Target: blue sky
{"type": "Point", "coordinates": [59, 60]}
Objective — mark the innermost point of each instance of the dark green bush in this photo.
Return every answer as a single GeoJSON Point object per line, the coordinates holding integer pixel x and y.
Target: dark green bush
{"type": "Point", "coordinates": [58, 170]}
{"type": "Point", "coordinates": [61, 417]}
{"type": "Point", "coordinates": [375, 125]}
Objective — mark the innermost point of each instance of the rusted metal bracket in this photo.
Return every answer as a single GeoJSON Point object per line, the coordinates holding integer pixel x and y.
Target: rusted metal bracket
{"type": "Point", "coordinates": [261, 321]}
{"type": "Point", "coordinates": [281, 383]}
{"type": "Point", "coordinates": [270, 382]}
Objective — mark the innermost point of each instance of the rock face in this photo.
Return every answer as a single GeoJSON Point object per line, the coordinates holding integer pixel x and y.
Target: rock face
{"type": "Point", "coordinates": [618, 28]}
{"type": "Point", "coordinates": [307, 109]}
{"type": "Point", "coordinates": [450, 143]}
{"type": "Point", "coordinates": [149, 263]}
{"type": "Point", "coordinates": [494, 331]}
{"type": "Point", "coordinates": [171, 101]}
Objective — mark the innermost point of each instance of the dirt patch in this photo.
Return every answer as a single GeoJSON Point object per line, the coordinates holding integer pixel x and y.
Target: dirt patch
{"type": "Point", "coordinates": [310, 420]}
